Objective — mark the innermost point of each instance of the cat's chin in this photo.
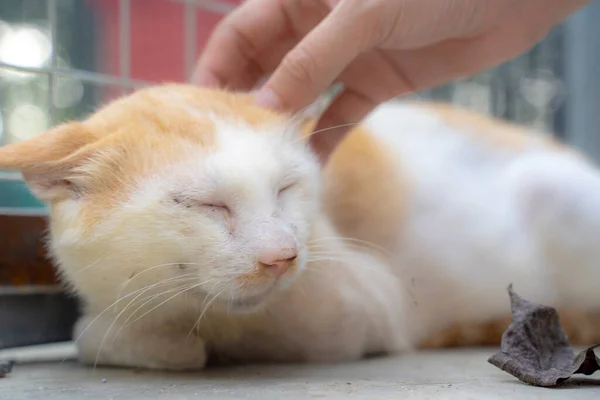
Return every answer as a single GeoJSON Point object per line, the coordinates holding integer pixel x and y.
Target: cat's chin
{"type": "Point", "coordinates": [247, 307]}
{"type": "Point", "coordinates": [245, 304]}
{"type": "Point", "coordinates": [250, 304]}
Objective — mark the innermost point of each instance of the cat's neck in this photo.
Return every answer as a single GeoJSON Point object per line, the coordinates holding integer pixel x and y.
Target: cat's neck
{"type": "Point", "coordinates": [326, 239]}
{"type": "Point", "coordinates": [323, 235]}
{"type": "Point", "coordinates": [339, 279]}
{"type": "Point", "coordinates": [345, 275]}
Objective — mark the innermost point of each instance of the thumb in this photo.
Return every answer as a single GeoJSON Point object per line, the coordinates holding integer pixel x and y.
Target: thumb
{"type": "Point", "coordinates": [313, 64]}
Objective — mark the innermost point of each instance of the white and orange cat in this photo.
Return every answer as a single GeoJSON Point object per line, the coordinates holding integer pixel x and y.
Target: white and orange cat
{"type": "Point", "coordinates": [193, 225]}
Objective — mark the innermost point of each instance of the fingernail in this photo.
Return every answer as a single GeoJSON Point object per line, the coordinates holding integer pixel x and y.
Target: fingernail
{"type": "Point", "coordinates": [203, 78]}
{"type": "Point", "coordinates": [268, 99]}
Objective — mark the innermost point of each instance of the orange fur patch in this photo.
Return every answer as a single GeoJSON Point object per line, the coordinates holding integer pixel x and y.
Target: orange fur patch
{"type": "Point", "coordinates": [497, 132]}
{"type": "Point", "coordinates": [364, 194]}
{"type": "Point", "coordinates": [582, 328]}
{"type": "Point", "coordinates": [127, 139]}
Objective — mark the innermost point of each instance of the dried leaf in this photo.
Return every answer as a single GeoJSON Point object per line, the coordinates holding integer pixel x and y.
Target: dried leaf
{"type": "Point", "coordinates": [535, 349]}
{"type": "Point", "coordinates": [6, 367]}
{"type": "Point", "coordinates": [587, 362]}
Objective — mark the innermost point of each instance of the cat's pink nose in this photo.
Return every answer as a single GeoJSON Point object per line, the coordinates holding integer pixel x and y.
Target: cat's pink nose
{"type": "Point", "coordinates": [277, 263]}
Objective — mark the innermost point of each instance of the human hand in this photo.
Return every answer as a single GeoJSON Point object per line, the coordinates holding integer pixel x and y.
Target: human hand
{"type": "Point", "coordinates": [378, 49]}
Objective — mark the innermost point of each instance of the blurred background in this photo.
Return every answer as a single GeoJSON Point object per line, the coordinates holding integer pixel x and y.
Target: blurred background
{"type": "Point", "coordinates": [60, 59]}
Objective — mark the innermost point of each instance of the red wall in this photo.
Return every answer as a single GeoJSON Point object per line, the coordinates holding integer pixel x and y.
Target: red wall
{"type": "Point", "coordinates": [157, 37]}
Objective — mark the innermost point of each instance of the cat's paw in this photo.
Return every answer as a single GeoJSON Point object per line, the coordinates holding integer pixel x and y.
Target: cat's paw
{"type": "Point", "coordinates": [148, 348]}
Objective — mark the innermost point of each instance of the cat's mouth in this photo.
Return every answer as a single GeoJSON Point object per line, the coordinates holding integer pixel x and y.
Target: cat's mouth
{"type": "Point", "coordinates": [250, 302]}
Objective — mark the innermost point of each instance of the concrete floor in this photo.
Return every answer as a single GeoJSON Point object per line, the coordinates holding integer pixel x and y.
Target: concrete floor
{"type": "Point", "coordinates": [463, 374]}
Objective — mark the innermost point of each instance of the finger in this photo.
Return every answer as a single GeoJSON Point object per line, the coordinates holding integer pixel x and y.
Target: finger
{"type": "Point", "coordinates": [269, 60]}
{"type": "Point", "coordinates": [264, 63]}
{"type": "Point", "coordinates": [312, 66]}
{"type": "Point", "coordinates": [467, 57]}
{"type": "Point", "coordinates": [234, 44]}
{"type": "Point", "coordinates": [371, 79]}
{"type": "Point", "coordinates": [348, 109]}
{"type": "Point", "coordinates": [377, 76]}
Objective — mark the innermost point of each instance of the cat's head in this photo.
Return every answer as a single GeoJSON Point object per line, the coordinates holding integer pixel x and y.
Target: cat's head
{"type": "Point", "coordinates": [176, 183]}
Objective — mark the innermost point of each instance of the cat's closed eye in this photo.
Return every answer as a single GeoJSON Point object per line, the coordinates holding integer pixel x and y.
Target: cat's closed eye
{"type": "Point", "coordinates": [191, 203]}
{"type": "Point", "coordinates": [216, 207]}
{"type": "Point", "coordinates": [285, 188]}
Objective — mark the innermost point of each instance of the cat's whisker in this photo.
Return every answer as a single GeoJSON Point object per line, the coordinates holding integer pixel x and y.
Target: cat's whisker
{"type": "Point", "coordinates": [346, 240]}
{"type": "Point", "coordinates": [350, 244]}
{"type": "Point", "coordinates": [184, 277]}
{"type": "Point", "coordinates": [153, 268]}
{"type": "Point", "coordinates": [327, 129]}
{"type": "Point", "coordinates": [180, 291]}
{"type": "Point", "coordinates": [167, 300]}
{"type": "Point", "coordinates": [101, 346]}
{"type": "Point", "coordinates": [342, 252]}
{"type": "Point", "coordinates": [139, 292]}
{"type": "Point", "coordinates": [388, 277]}
{"type": "Point", "coordinates": [204, 310]}
{"type": "Point", "coordinates": [343, 238]}
{"type": "Point", "coordinates": [333, 258]}
{"type": "Point", "coordinates": [144, 301]}
{"type": "Point", "coordinates": [328, 256]}
{"type": "Point", "coordinates": [178, 281]}
{"type": "Point", "coordinates": [150, 298]}
{"type": "Point", "coordinates": [92, 265]}
{"type": "Point", "coordinates": [349, 250]}
{"type": "Point", "coordinates": [115, 303]}
{"type": "Point", "coordinates": [192, 281]}
{"type": "Point", "coordinates": [212, 288]}
{"type": "Point", "coordinates": [165, 265]}
{"type": "Point", "coordinates": [300, 117]}
{"type": "Point", "coordinates": [296, 119]}
{"type": "Point", "coordinates": [317, 249]}
{"type": "Point", "coordinates": [345, 260]}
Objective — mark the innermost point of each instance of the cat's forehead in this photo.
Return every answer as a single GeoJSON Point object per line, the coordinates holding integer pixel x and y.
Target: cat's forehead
{"type": "Point", "coordinates": [211, 104]}
{"type": "Point", "coordinates": [183, 130]}
{"type": "Point", "coordinates": [244, 162]}
{"type": "Point", "coordinates": [240, 154]}
{"type": "Point", "coordinates": [183, 111]}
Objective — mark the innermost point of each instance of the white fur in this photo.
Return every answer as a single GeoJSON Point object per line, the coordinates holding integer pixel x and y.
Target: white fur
{"type": "Point", "coordinates": [132, 317]}
{"type": "Point", "coordinates": [480, 217]}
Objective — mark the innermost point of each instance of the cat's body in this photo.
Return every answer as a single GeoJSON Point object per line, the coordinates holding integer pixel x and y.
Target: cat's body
{"type": "Point", "coordinates": [192, 223]}
{"type": "Point", "coordinates": [482, 202]}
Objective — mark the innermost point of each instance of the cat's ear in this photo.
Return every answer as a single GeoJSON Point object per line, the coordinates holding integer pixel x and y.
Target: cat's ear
{"type": "Point", "coordinates": [49, 161]}
{"type": "Point", "coordinates": [314, 110]}
{"type": "Point", "coordinates": [306, 119]}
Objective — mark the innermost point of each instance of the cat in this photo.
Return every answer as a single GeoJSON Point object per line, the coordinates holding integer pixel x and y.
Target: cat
{"type": "Point", "coordinates": [196, 226]}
